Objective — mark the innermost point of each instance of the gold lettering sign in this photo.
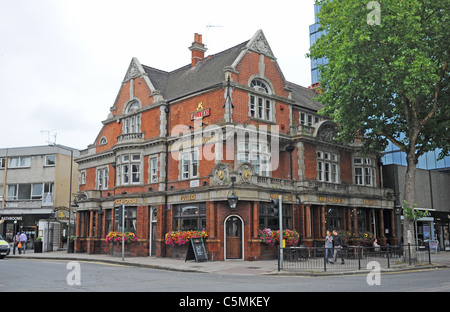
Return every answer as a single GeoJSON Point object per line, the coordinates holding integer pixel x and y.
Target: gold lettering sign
{"type": "Point", "coordinates": [368, 202]}
{"type": "Point", "coordinates": [125, 201]}
{"type": "Point", "coordinates": [327, 199]}
{"type": "Point", "coordinates": [284, 197]}
{"type": "Point", "coordinates": [187, 197]}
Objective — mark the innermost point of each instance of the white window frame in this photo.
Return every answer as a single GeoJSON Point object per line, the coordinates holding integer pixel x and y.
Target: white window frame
{"type": "Point", "coordinates": [308, 119]}
{"type": "Point", "coordinates": [47, 159]}
{"type": "Point", "coordinates": [132, 123]}
{"type": "Point", "coordinates": [327, 167]}
{"type": "Point", "coordinates": [189, 165]}
{"type": "Point", "coordinates": [102, 178]}
{"type": "Point", "coordinates": [19, 162]}
{"type": "Point", "coordinates": [128, 169]}
{"type": "Point", "coordinates": [364, 171]}
{"type": "Point", "coordinates": [83, 177]}
{"type": "Point", "coordinates": [154, 169]}
{"type": "Point", "coordinates": [260, 105]}
{"type": "Point", "coordinates": [257, 154]}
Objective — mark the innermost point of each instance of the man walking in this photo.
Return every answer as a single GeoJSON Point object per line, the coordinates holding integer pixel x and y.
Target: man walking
{"type": "Point", "coordinates": [23, 241]}
{"type": "Point", "coordinates": [338, 242]}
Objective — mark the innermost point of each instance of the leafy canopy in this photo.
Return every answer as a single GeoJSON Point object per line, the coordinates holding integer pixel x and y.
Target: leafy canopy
{"type": "Point", "coordinates": [387, 80]}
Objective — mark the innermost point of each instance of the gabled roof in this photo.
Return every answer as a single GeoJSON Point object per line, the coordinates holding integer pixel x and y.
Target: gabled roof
{"type": "Point", "coordinates": [304, 96]}
{"type": "Point", "coordinates": [210, 71]}
{"type": "Point", "coordinates": [207, 72]}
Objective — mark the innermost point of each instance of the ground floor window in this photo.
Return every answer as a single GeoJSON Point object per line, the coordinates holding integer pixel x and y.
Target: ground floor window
{"type": "Point", "coordinates": [334, 216]}
{"type": "Point", "coordinates": [189, 217]}
{"type": "Point", "coordinates": [130, 219]}
{"type": "Point", "coordinates": [269, 219]}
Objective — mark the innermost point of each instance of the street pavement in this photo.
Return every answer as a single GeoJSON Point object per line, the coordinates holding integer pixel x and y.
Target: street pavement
{"type": "Point", "coordinates": [268, 267]}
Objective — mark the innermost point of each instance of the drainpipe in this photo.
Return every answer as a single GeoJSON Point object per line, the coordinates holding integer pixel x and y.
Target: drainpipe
{"type": "Point", "coordinates": [164, 216]}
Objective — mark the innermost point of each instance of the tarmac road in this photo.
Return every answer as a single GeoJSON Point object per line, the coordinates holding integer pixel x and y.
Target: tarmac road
{"type": "Point", "coordinates": [58, 275]}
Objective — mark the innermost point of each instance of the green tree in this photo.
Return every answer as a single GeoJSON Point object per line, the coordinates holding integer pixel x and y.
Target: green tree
{"type": "Point", "coordinates": [387, 76]}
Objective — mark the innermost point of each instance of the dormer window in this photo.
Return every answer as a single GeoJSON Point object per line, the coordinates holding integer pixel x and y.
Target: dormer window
{"type": "Point", "coordinates": [260, 106]}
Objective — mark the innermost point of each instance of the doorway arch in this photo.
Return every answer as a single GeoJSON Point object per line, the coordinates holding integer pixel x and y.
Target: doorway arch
{"type": "Point", "coordinates": [233, 237]}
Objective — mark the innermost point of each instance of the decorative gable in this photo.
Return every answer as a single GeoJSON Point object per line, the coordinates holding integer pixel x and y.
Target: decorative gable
{"type": "Point", "coordinates": [260, 45]}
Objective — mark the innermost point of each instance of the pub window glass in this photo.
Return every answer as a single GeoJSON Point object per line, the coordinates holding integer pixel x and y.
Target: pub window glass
{"type": "Point", "coordinates": [267, 219]}
{"type": "Point", "coordinates": [189, 217]}
{"type": "Point", "coordinates": [131, 219]}
{"type": "Point", "coordinates": [108, 215]}
{"type": "Point", "coordinates": [333, 219]}
{"type": "Point", "coordinates": [362, 219]}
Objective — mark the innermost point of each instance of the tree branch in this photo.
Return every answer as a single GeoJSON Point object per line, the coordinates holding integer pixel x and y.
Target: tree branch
{"type": "Point", "coordinates": [436, 95]}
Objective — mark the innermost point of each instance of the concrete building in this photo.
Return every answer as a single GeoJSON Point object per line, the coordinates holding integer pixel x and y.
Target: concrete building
{"type": "Point", "coordinates": [34, 185]}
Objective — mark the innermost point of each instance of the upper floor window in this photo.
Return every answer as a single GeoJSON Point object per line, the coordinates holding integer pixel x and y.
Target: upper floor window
{"type": "Point", "coordinates": [102, 178]}
{"type": "Point", "coordinates": [189, 165]}
{"type": "Point", "coordinates": [19, 162]}
{"type": "Point", "coordinates": [83, 177]}
{"type": "Point", "coordinates": [50, 160]}
{"type": "Point", "coordinates": [103, 141]}
{"type": "Point", "coordinates": [132, 123]}
{"type": "Point", "coordinates": [153, 169]}
{"type": "Point", "coordinates": [364, 169]}
{"type": "Point", "coordinates": [128, 169]}
{"type": "Point", "coordinates": [327, 167]}
{"type": "Point", "coordinates": [261, 107]}
{"type": "Point", "coordinates": [260, 86]}
{"type": "Point", "coordinates": [308, 119]}
{"type": "Point", "coordinates": [258, 154]}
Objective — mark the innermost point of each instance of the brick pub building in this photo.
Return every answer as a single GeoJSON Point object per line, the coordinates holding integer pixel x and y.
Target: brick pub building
{"type": "Point", "coordinates": [176, 145]}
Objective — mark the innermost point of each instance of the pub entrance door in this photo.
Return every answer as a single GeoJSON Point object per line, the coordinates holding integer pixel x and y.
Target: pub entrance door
{"type": "Point", "coordinates": [233, 238]}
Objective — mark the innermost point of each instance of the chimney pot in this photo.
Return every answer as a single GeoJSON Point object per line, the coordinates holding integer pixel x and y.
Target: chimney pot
{"type": "Point", "coordinates": [198, 49]}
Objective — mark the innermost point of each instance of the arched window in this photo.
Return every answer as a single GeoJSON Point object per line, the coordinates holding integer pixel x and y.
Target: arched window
{"type": "Point", "coordinates": [260, 86]}
{"type": "Point", "coordinates": [132, 123]}
{"type": "Point", "coordinates": [132, 107]}
{"type": "Point", "coordinates": [103, 141]}
{"type": "Point", "coordinates": [260, 106]}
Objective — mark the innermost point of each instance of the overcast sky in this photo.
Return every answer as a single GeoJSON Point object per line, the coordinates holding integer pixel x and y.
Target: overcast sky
{"type": "Point", "coordinates": [62, 61]}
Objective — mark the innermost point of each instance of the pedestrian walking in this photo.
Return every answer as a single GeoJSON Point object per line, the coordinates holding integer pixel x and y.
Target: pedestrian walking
{"type": "Point", "coordinates": [338, 244]}
{"type": "Point", "coordinates": [328, 245]}
{"type": "Point", "coordinates": [23, 240]}
{"type": "Point", "coordinates": [16, 241]}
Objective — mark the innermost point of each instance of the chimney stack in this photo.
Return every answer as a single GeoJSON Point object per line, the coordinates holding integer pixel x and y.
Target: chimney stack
{"type": "Point", "coordinates": [198, 49]}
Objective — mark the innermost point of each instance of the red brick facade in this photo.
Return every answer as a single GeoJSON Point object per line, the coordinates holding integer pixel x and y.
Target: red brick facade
{"type": "Point", "coordinates": [133, 161]}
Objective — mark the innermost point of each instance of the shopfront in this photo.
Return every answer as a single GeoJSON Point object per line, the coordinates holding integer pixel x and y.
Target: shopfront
{"type": "Point", "coordinates": [27, 223]}
{"type": "Point", "coordinates": [442, 229]}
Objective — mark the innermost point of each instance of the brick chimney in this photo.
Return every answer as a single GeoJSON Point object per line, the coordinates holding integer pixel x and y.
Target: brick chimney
{"type": "Point", "coordinates": [198, 49]}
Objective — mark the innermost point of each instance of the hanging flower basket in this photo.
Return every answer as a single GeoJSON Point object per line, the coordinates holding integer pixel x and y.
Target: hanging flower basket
{"type": "Point", "coordinates": [116, 237]}
{"type": "Point", "coordinates": [270, 237]}
{"type": "Point", "coordinates": [180, 238]}
{"type": "Point", "coordinates": [366, 237]}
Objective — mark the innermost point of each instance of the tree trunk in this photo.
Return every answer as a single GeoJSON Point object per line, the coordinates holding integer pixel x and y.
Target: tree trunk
{"type": "Point", "coordinates": [409, 196]}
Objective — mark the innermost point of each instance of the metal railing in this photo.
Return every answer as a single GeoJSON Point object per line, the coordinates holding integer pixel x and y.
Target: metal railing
{"type": "Point", "coordinates": [314, 259]}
